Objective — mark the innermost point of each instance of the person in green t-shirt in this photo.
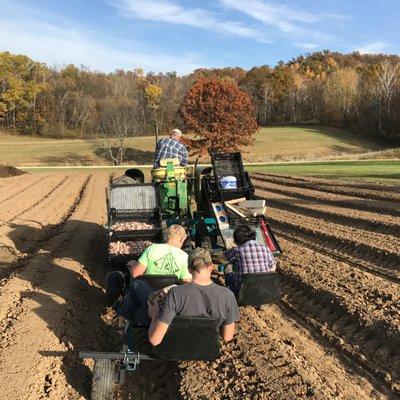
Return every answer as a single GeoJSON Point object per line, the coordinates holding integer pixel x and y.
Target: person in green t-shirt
{"type": "Point", "coordinates": [164, 258]}
{"type": "Point", "coordinates": [157, 259]}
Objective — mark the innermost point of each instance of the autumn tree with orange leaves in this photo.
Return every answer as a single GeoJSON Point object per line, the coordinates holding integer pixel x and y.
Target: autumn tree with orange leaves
{"type": "Point", "coordinates": [220, 115]}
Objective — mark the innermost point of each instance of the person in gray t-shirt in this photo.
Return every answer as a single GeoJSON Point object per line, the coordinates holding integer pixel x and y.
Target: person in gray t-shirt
{"type": "Point", "coordinates": [199, 298]}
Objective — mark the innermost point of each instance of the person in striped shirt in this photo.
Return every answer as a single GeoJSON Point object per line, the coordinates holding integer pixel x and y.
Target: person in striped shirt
{"type": "Point", "coordinates": [171, 148]}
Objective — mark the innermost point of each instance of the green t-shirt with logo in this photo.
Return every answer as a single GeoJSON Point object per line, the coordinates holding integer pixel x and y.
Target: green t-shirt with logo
{"type": "Point", "coordinates": [164, 259]}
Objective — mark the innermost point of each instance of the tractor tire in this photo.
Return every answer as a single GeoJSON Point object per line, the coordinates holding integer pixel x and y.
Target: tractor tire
{"type": "Point", "coordinates": [103, 380]}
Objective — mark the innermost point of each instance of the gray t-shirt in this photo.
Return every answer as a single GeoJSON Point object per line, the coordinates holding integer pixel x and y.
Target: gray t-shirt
{"type": "Point", "coordinates": [193, 300]}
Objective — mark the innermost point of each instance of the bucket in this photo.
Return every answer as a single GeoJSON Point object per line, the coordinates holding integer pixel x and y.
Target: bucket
{"type": "Point", "coordinates": [228, 182]}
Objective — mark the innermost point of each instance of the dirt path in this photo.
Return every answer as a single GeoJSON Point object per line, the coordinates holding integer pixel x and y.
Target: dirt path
{"type": "Point", "coordinates": [44, 309]}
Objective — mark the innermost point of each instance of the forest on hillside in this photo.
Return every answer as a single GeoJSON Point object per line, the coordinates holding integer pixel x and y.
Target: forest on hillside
{"type": "Point", "coordinates": [355, 91]}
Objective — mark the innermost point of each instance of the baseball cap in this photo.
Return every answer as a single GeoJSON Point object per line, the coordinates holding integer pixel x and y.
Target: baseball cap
{"type": "Point", "coordinates": [199, 257]}
{"type": "Point", "coordinates": [177, 132]}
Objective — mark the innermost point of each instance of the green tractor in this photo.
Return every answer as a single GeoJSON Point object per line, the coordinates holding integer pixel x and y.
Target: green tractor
{"type": "Point", "coordinates": [174, 188]}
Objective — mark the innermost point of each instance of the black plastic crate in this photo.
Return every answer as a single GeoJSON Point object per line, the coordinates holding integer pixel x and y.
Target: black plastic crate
{"type": "Point", "coordinates": [215, 193]}
{"type": "Point", "coordinates": [230, 164]}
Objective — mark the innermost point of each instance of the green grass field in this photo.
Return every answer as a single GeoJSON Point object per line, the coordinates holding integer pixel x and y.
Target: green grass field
{"type": "Point", "coordinates": [270, 144]}
{"type": "Point", "coordinates": [371, 170]}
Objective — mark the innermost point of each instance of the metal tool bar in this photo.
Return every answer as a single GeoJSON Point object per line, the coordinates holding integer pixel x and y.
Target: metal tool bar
{"type": "Point", "coordinates": [114, 355]}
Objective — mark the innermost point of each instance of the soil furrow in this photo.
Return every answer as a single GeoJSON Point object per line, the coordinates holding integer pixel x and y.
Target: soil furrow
{"type": "Point", "coordinates": [373, 298]}
{"type": "Point", "coordinates": [272, 358]}
{"type": "Point", "coordinates": [338, 330]}
{"type": "Point", "coordinates": [368, 305]}
{"type": "Point", "coordinates": [8, 287]}
{"type": "Point", "coordinates": [14, 207]}
{"type": "Point", "coordinates": [344, 182]}
{"type": "Point", "coordinates": [14, 189]}
{"type": "Point", "coordinates": [12, 181]}
{"type": "Point", "coordinates": [359, 255]}
{"type": "Point", "coordinates": [340, 256]}
{"type": "Point", "coordinates": [329, 188]}
{"type": "Point", "coordinates": [361, 220]}
{"type": "Point", "coordinates": [379, 250]}
{"type": "Point", "coordinates": [366, 348]}
{"type": "Point", "coordinates": [379, 207]}
{"type": "Point", "coordinates": [60, 290]}
{"type": "Point", "coordinates": [28, 237]}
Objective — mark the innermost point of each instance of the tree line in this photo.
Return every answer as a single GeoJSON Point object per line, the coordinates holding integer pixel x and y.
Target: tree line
{"type": "Point", "coordinates": [354, 91]}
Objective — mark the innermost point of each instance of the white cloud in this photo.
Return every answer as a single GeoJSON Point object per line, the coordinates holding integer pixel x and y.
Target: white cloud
{"type": "Point", "coordinates": [167, 11]}
{"type": "Point", "coordinates": [289, 20]}
{"type": "Point", "coordinates": [277, 15]}
{"type": "Point", "coordinates": [305, 46]}
{"type": "Point", "coordinates": [373, 47]}
{"type": "Point", "coordinates": [58, 43]}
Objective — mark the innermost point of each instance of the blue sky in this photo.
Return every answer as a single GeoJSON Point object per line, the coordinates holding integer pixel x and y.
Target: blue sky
{"type": "Point", "coordinates": [181, 35]}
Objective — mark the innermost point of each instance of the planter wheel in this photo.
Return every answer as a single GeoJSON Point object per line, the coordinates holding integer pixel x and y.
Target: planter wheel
{"type": "Point", "coordinates": [103, 380]}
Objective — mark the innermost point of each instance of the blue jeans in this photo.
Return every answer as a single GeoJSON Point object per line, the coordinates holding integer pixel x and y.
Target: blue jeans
{"type": "Point", "coordinates": [232, 283]}
{"type": "Point", "coordinates": [134, 305]}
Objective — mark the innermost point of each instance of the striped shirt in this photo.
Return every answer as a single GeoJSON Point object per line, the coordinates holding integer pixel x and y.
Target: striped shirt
{"type": "Point", "coordinates": [170, 148]}
{"type": "Point", "coordinates": [250, 257]}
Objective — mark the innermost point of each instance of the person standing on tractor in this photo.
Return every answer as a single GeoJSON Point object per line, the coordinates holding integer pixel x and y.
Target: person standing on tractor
{"type": "Point", "coordinates": [199, 298]}
{"type": "Point", "coordinates": [247, 257]}
{"type": "Point", "coordinates": [171, 148]}
{"type": "Point", "coordinates": [157, 259]}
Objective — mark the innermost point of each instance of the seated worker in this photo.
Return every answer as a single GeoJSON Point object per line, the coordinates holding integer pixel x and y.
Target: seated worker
{"type": "Point", "coordinates": [199, 298]}
{"type": "Point", "coordinates": [248, 257]}
{"type": "Point", "coordinates": [171, 148]}
{"type": "Point", "coordinates": [157, 259]}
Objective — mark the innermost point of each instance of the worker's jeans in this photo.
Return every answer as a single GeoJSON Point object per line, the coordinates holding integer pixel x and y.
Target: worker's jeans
{"type": "Point", "coordinates": [134, 305]}
{"type": "Point", "coordinates": [232, 283]}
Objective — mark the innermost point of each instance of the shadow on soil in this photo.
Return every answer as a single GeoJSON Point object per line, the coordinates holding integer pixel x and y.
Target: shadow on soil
{"type": "Point", "coordinates": [69, 283]}
{"type": "Point", "coordinates": [132, 155]}
{"type": "Point", "coordinates": [68, 159]}
{"type": "Point", "coordinates": [69, 279]}
{"type": "Point", "coordinates": [368, 143]}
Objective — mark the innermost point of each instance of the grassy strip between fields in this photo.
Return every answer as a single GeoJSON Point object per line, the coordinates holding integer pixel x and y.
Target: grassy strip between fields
{"type": "Point", "coordinates": [369, 170]}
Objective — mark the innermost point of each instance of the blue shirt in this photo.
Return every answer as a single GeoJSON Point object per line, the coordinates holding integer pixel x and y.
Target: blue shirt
{"type": "Point", "coordinates": [170, 148]}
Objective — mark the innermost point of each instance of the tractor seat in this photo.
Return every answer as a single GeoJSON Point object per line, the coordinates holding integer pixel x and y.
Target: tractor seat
{"type": "Point", "coordinates": [190, 338]}
{"type": "Point", "coordinates": [160, 174]}
{"type": "Point", "coordinates": [259, 288]}
{"type": "Point", "coordinates": [165, 161]}
{"type": "Point", "coordinates": [159, 281]}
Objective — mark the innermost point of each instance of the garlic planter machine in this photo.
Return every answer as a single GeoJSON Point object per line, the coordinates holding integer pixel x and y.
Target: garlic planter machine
{"type": "Point", "coordinates": [209, 201]}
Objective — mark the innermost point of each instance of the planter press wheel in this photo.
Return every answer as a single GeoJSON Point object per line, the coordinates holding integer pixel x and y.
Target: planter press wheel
{"type": "Point", "coordinates": [103, 379]}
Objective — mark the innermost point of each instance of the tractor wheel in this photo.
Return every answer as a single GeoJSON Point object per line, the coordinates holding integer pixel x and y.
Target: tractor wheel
{"type": "Point", "coordinates": [103, 380]}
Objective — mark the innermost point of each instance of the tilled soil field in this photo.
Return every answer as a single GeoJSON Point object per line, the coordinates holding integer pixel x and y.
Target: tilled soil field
{"type": "Point", "coordinates": [334, 335]}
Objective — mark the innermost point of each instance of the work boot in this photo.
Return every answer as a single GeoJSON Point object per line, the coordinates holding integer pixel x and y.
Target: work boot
{"type": "Point", "coordinates": [115, 283]}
